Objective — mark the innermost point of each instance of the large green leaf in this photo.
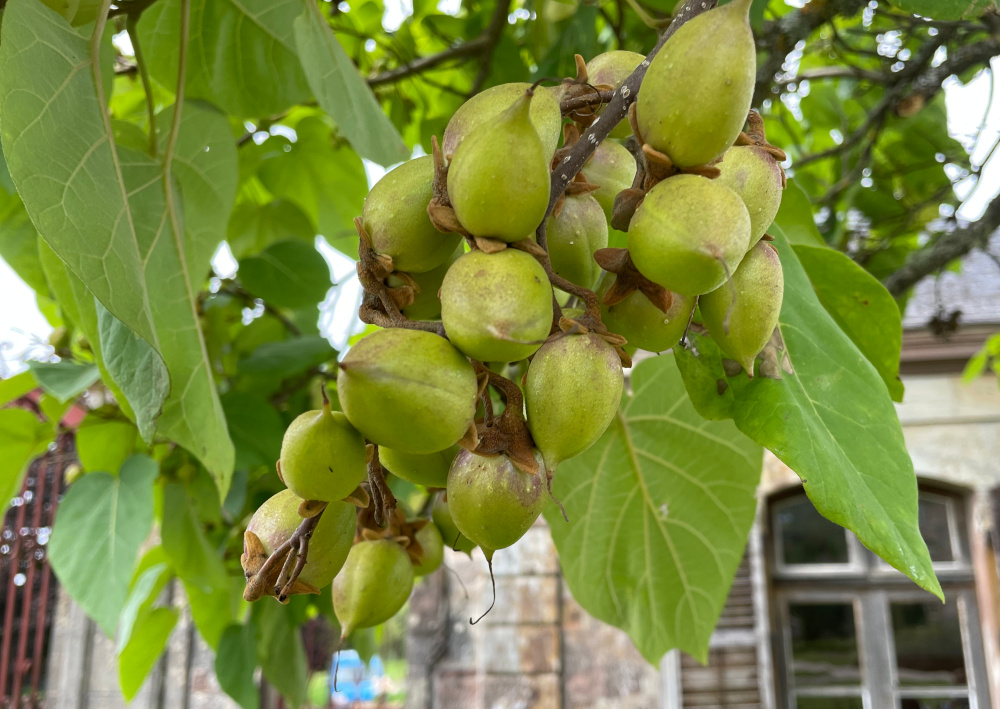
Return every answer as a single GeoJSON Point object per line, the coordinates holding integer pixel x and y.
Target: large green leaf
{"type": "Point", "coordinates": [191, 555]}
{"type": "Point", "coordinates": [280, 652]}
{"type": "Point", "coordinates": [19, 243]}
{"type": "Point", "coordinates": [103, 444]}
{"type": "Point", "coordinates": [253, 227]}
{"type": "Point", "coordinates": [16, 387]}
{"type": "Point", "coordinates": [288, 274]}
{"type": "Point", "coordinates": [828, 417]}
{"type": "Point", "coordinates": [141, 597]}
{"type": "Point", "coordinates": [255, 427]}
{"type": "Point", "coordinates": [213, 610]}
{"type": "Point", "coordinates": [64, 380]}
{"type": "Point", "coordinates": [342, 92]}
{"type": "Point", "coordinates": [100, 525]}
{"type": "Point", "coordinates": [22, 437]}
{"type": "Point", "coordinates": [242, 55]}
{"type": "Point", "coordinates": [288, 357]}
{"type": "Point", "coordinates": [149, 638]}
{"type": "Point", "coordinates": [946, 9]}
{"type": "Point", "coordinates": [107, 213]}
{"type": "Point", "coordinates": [660, 509]}
{"type": "Point", "coordinates": [795, 217]}
{"type": "Point", "coordinates": [235, 663]}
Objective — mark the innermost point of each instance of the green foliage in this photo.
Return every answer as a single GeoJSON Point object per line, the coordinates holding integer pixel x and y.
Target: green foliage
{"type": "Point", "coordinates": [235, 663]}
{"type": "Point", "coordinates": [22, 437]}
{"type": "Point", "coordinates": [64, 380]}
{"type": "Point", "coordinates": [946, 9]}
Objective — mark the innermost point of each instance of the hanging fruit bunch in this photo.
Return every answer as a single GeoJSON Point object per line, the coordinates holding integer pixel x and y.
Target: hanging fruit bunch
{"type": "Point", "coordinates": [505, 320]}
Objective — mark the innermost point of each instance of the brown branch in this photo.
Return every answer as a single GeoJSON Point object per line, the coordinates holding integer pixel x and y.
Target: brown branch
{"type": "Point", "coordinates": [382, 498]}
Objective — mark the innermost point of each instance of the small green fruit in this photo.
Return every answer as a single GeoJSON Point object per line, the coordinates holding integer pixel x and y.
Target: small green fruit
{"type": "Point", "coordinates": [322, 456]}
{"type": "Point", "coordinates": [408, 389]}
{"type": "Point", "coordinates": [612, 168]}
{"type": "Point", "coordinates": [453, 539]}
{"type": "Point", "coordinates": [696, 94]}
{"type": "Point", "coordinates": [276, 520]}
{"type": "Point", "coordinates": [498, 182]}
{"type": "Point", "coordinates": [572, 391]}
{"type": "Point", "coordinates": [612, 68]}
{"type": "Point", "coordinates": [395, 217]}
{"type": "Point", "coordinates": [759, 285]}
{"type": "Point", "coordinates": [687, 232]}
{"type": "Point", "coordinates": [429, 469]}
{"type": "Point", "coordinates": [426, 305]}
{"type": "Point", "coordinates": [487, 106]}
{"type": "Point", "coordinates": [496, 307]}
{"type": "Point", "coordinates": [374, 584]}
{"type": "Point", "coordinates": [580, 229]}
{"type": "Point", "coordinates": [753, 174]}
{"type": "Point", "coordinates": [492, 502]}
{"type": "Point", "coordinates": [432, 543]}
{"type": "Point", "coordinates": [643, 324]}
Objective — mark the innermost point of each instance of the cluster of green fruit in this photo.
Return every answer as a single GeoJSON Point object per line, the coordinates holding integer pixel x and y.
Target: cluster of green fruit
{"type": "Point", "coordinates": [420, 404]}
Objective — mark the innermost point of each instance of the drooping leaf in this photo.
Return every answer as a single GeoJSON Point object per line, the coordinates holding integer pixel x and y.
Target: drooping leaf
{"type": "Point", "coordinates": [19, 243]}
{"type": "Point", "coordinates": [235, 662]}
{"type": "Point", "coordinates": [287, 274]}
{"type": "Point", "coordinates": [16, 387]}
{"type": "Point", "coordinates": [101, 522]}
{"type": "Point", "coordinates": [22, 438]}
{"type": "Point", "coordinates": [103, 444]}
{"type": "Point", "coordinates": [145, 589]}
{"type": "Point", "coordinates": [213, 610]}
{"type": "Point", "coordinates": [254, 227]}
{"type": "Point", "coordinates": [342, 92]}
{"type": "Point", "coordinates": [288, 357]}
{"type": "Point", "coordinates": [64, 380]}
{"type": "Point", "coordinates": [255, 427]}
{"type": "Point", "coordinates": [194, 559]}
{"type": "Point", "coordinates": [280, 652]}
{"type": "Point", "coordinates": [795, 217]}
{"type": "Point", "coordinates": [829, 418]}
{"type": "Point", "coordinates": [660, 509]}
{"type": "Point", "coordinates": [946, 9]}
{"type": "Point", "coordinates": [149, 638]}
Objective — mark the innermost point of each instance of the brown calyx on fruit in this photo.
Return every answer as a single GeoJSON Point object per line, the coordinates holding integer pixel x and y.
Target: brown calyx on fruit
{"type": "Point", "coordinates": [507, 433]}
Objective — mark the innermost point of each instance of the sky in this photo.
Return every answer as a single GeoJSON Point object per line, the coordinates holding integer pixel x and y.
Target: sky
{"type": "Point", "coordinates": [24, 331]}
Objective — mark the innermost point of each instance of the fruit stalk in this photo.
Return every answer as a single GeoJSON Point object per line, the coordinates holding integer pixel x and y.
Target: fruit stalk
{"type": "Point", "coordinates": [383, 501]}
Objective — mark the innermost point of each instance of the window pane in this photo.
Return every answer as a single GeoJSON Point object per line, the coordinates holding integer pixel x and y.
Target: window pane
{"type": "Point", "coordinates": [934, 529]}
{"type": "Point", "coordinates": [829, 703]}
{"type": "Point", "coordinates": [824, 647]}
{"type": "Point", "coordinates": [928, 644]}
{"type": "Point", "coordinates": [939, 703]}
{"type": "Point", "coordinates": [809, 538]}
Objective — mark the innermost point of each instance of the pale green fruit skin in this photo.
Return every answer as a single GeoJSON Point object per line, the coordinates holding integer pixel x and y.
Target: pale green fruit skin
{"type": "Point", "coordinates": [753, 174]}
{"type": "Point", "coordinates": [684, 230]}
{"type": "Point", "coordinates": [487, 105]}
{"type": "Point", "coordinates": [395, 217]}
{"type": "Point", "coordinates": [426, 305]}
{"type": "Point", "coordinates": [612, 168]}
{"type": "Point", "coordinates": [696, 93]}
{"type": "Point", "coordinates": [453, 539]}
{"type": "Point", "coordinates": [373, 585]}
{"type": "Point", "coordinates": [429, 469]}
{"type": "Point", "coordinates": [572, 391]}
{"type": "Point", "coordinates": [572, 238]}
{"type": "Point", "coordinates": [407, 389]}
{"type": "Point", "coordinates": [759, 284]}
{"type": "Point", "coordinates": [498, 181]}
{"type": "Point", "coordinates": [276, 519]}
{"type": "Point", "coordinates": [432, 543]}
{"type": "Point", "coordinates": [488, 297]}
{"type": "Point", "coordinates": [322, 456]}
{"type": "Point", "coordinates": [492, 502]}
{"type": "Point", "coordinates": [613, 68]}
{"type": "Point", "coordinates": [643, 324]}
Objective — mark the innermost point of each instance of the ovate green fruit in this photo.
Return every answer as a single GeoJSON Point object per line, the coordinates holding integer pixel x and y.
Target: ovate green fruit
{"type": "Point", "coordinates": [498, 181]}
{"type": "Point", "coordinates": [643, 324]}
{"type": "Point", "coordinates": [487, 105]}
{"type": "Point", "coordinates": [492, 502]}
{"type": "Point", "coordinates": [753, 174]}
{"type": "Point", "coordinates": [426, 305]}
{"type": "Point", "coordinates": [612, 168]}
{"type": "Point", "coordinates": [759, 285]}
{"type": "Point", "coordinates": [322, 456]}
{"type": "Point", "coordinates": [687, 233]}
{"type": "Point", "coordinates": [432, 543]}
{"type": "Point", "coordinates": [572, 238]}
{"type": "Point", "coordinates": [276, 520]}
{"type": "Point", "coordinates": [612, 68]}
{"type": "Point", "coordinates": [430, 469]}
{"type": "Point", "coordinates": [395, 217]}
{"type": "Point", "coordinates": [696, 94]}
{"type": "Point", "coordinates": [407, 389]}
{"type": "Point", "coordinates": [572, 391]}
{"type": "Point", "coordinates": [453, 539]}
{"type": "Point", "coordinates": [374, 584]}
{"type": "Point", "coordinates": [496, 307]}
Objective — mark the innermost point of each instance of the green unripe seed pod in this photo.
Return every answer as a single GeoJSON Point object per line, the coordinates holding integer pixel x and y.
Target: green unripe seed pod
{"type": "Point", "coordinates": [612, 168]}
{"type": "Point", "coordinates": [572, 238]}
{"type": "Point", "coordinates": [491, 501]}
{"type": "Point", "coordinates": [453, 539]}
{"type": "Point", "coordinates": [395, 217]}
{"type": "Point", "coordinates": [759, 285]}
{"type": "Point", "coordinates": [687, 233]}
{"type": "Point", "coordinates": [696, 93]}
{"type": "Point", "coordinates": [429, 469]}
{"type": "Point", "coordinates": [374, 584]}
{"type": "Point", "coordinates": [322, 456]}
{"type": "Point", "coordinates": [612, 68]}
{"type": "Point", "coordinates": [496, 307]}
{"type": "Point", "coordinates": [572, 391]}
{"type": "Point", "coordinates": [643, 324]}
{"type": "Point", "coordinates": [407, 389]}
{"type": "Point", "coordinates": [753, 174]}
{"type": "Point", "coordinates": [432, 543]}
{"type": "Point", "coordinates": [276, 520]}
{"type": "Point", "coordinates": [487, 105]}
{"type": "Point", "coordinates": [498, 181]}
